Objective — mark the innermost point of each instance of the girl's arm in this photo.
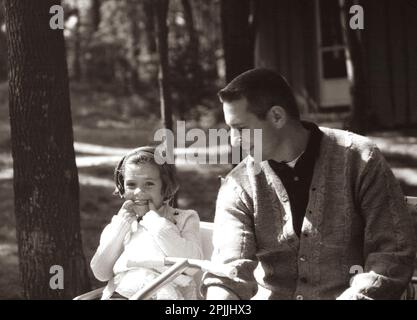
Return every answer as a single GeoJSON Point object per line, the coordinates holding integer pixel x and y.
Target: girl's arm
{"type": "Point", "coordinates": [111, 244]}
{"type": "Point", "coordinates": [172, 241]}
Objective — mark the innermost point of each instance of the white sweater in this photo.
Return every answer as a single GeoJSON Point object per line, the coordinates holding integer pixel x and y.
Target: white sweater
{"type": "Point", "coordinates": [123, 244]}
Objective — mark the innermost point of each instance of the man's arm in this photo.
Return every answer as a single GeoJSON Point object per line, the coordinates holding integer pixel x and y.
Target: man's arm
{"type": "Point", "coordinates": [220, 293]}
{"type": "Point", "coordinates": [234, 243]}
{"type": "Point", "coordinates": [389, 236]}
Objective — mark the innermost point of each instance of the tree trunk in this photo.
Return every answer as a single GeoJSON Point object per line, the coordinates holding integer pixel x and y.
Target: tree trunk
{"type": "Point", "coordinates": [45, 176]}
{"type": "Point", "coordinates": [95, 14]}
{"type": "Point", "coordinates": [77, 48]}
{"type": "Point", "coordinates": [194, 80]}
{"type": "Point", "coordinates": [193, 46]}
{"type": "Point", "coordinates": [359, 120]}
{"type": "Point", "coordinates": [238, 38]}
{"type": "Point", "coordinates": [161, 12]}
{"type": "Point", "coordinates": [3, 47]}
{"type": "Point", "coordinates": [134, 49]}
{"type": "Point", "coordinates": [149, 26]}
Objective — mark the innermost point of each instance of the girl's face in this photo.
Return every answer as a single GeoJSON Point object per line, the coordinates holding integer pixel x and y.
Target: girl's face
{"type": "Point", "coordinates": [142, 181]}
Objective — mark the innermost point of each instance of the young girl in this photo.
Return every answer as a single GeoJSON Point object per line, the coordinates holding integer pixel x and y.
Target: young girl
{"type": "Point", "coordinates": [146, 228]}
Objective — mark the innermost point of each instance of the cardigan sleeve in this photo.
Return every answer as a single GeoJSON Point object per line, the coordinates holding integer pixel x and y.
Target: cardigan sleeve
{"type": "Point", "coordinates": [234, 242]}
{"type": "Point", "coordinates": [389, 239]}
{"type": "Point", "coordinates": [110, 248]}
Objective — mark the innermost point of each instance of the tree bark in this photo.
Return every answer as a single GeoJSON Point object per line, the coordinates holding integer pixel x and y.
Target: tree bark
{"type": "Point", "coordinates": [238, 37]}
{"type": "Point", "coordinates": [45, 175]}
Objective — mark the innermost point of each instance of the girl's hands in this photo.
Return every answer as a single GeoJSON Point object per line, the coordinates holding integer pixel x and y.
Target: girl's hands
{"type": "Point", "coordinates": [141, 208]}
{"type": "Point", "coordinates": [131, 211]}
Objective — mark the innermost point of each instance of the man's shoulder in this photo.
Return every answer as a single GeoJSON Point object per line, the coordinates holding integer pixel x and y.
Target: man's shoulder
{"type": "Point", "coordinates": [239, 168]}
{"type": "Point", "coordinates": [349, 141]}
{"type": "Point", "coordinates": [238, 177]}
{"type": "Point", "coordinates": [239, 172]}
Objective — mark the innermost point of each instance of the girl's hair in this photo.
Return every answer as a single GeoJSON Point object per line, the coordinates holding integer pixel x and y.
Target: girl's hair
{"type": "Point", "coordinates": [146, 154]}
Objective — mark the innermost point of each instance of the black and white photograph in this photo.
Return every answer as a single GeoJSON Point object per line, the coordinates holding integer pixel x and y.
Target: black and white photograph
{"type": "Point", "coordinates": [208, 150]}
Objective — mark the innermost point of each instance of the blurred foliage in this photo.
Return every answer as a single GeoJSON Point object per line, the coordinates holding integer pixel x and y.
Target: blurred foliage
{"type": "Point", "coordinates": [116, 52]}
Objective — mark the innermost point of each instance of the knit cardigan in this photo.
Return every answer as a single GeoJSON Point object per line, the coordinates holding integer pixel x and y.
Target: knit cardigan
{"type": "Point", "coordinates": [356, 222]}
{"type": "Point", "coordinates": [122, 245]}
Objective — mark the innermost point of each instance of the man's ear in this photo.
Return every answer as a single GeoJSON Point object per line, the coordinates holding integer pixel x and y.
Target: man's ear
{"type": "Point", "coordinates": [278, 116]}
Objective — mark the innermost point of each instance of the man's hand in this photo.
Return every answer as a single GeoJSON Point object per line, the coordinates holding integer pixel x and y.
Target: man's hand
{"type": "Point", "coordinates": [220, 293]}
{"type": "Point", "coordinates": [352, 294]}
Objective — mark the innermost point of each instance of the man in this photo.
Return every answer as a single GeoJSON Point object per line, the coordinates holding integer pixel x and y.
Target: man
{"type": "Point", "coordinates": [324, 205]}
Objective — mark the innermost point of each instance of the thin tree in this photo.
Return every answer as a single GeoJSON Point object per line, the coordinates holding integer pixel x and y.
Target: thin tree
{"type": "Point", "coordinates": [150, 24]}
{"type": "Point", "coordinates": [3, 48]}
{"type": "Point", "coordinates": [356, 41]}
{"type": "Point", "coordinates": [95, 14]}
{"type": "Point", "coordinates": [238, 36]}
{"type": "Point", "coordinates": [192, 69]}
{"type": "Point", "coordinates": [161, 13]}
{"type": "Point", "coordinates": [45, 175]}
{"type": "Point", "coordinates": [134, 47]}
{"type": "Point", "coordinates": [193, 42]}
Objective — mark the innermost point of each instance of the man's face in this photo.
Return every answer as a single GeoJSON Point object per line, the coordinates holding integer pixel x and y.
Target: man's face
{"type": "Point", "coordinates": [238, 117]}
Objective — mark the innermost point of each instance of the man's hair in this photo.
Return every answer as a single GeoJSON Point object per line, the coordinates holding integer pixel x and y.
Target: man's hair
{"type": "Point", "coordinates": [263, 88]}
{"type": "Point", "coordinates": [146, 154]}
